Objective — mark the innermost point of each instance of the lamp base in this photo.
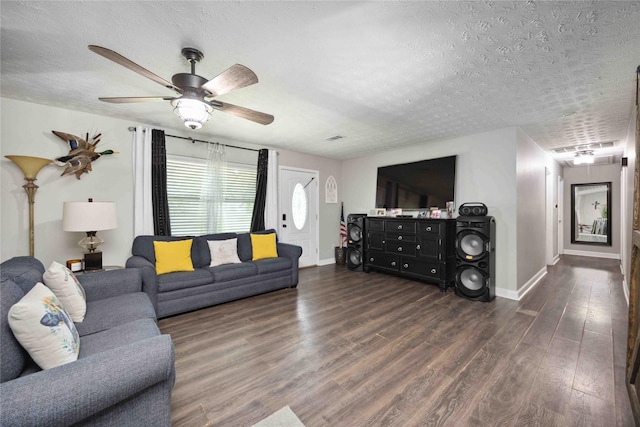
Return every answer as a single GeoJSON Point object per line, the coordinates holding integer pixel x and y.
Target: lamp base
{"type": "Point", "coordinates": [93, 261]}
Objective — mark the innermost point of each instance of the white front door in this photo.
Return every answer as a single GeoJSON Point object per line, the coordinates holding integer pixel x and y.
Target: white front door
{"type": "Point", "coordinates": [299, 212]}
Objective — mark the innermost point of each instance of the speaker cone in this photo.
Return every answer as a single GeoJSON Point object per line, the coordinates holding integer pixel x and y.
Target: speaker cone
{"type": "Point", "coordinates": [471, 245]}
{"type": "Point", "coordinates": [355, 233]}
{"type": "Point", "coordinates": [471, 281]}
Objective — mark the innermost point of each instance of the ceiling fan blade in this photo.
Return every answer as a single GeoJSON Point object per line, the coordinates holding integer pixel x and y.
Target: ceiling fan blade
{"type": "Point", "coordinates": [119, 59]}
{"type": "Point", "coordinates": [245, 113]}
{"type": "Point", "coordinates": [232, 78]}
{"type": "Point", "coordinates": [128, 99]}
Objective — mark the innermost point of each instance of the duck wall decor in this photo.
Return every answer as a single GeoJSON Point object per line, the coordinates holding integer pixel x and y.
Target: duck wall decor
{"type": "Point", "coordinates": [81, 153]}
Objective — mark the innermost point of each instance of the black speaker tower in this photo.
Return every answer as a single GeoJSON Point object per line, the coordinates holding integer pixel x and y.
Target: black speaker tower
{"type": "Point", "coordinates": [476, 257]}
{"type": "Point", "coordinates": [355, 241]}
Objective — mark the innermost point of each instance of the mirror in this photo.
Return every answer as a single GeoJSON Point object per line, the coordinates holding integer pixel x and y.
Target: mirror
{"type": "Point", "coordinates": [591, 208]}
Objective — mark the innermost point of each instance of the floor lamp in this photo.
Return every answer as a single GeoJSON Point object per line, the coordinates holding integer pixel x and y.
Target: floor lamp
{"type": "Point", "coordinates": [30, 167]}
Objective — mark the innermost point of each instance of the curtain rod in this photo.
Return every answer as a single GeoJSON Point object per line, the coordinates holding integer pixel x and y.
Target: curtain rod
{"type": "Point", "coordinates": [193, 140]}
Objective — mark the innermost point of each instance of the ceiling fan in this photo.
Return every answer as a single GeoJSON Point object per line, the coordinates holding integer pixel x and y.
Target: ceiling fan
{"type": "Point", "coordinates": [194, 102]}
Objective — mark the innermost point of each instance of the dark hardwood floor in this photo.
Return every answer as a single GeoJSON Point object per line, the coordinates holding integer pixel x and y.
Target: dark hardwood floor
{"type": "Point", "coordinates": [355, 349]}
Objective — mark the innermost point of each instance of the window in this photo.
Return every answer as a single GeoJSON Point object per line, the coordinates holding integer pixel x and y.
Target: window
{"type": "Point", "coordinates": [188, 211]}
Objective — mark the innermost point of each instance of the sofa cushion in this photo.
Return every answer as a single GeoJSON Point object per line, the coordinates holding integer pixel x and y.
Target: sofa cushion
{"type": "Point", "coordinates": [13, 357]}
{"type": "Point", "coordinates": [179, 280]}
{"type": "Point", "coordinates": [245, 253]}
{"type": "Point", "coordinates": [173, 256]}
{"type": "Point", "coordinates": [24, 271]}
{"type": "Point", "coordinates": [118, 336]}
{"type": "Point", "coordinates": [110, 312]}
{"type": "Point", "coordinates": [44, 328]}
{"type": "Point", "coordinates": [223, 273]}
{"type": "Point", "coordinates": [203, 247]}
{"type": "Point", "coordinates": [263, 246]}
{"type": "Point", "coordinates": [223, 252]}
{"type": "Point", "coordinates": [272, 265]}
{"type": "Point", "coordinates": [69, 291]}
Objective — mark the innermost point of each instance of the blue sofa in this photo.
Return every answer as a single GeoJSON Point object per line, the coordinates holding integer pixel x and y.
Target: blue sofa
{"type": "Point", "coordinates": [125, 371]}
{"type": "Point", "coordinates": [179, 292]}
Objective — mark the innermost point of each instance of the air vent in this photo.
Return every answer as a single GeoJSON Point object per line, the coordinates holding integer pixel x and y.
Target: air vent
{"type": "Point", "coordinates": [335, 138]}
{"type": "Point", "coordinates": [584, 147]}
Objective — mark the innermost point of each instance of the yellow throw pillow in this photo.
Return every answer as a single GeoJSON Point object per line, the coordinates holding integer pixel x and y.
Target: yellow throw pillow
{"type": "Point", "coordinates": [173, 256]}
{"type": "Point", "coordinates": [263, 246]}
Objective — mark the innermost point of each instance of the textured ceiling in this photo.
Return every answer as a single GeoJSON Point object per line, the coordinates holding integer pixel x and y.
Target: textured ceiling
{"type": "Point", "coordinates": [381, 74]}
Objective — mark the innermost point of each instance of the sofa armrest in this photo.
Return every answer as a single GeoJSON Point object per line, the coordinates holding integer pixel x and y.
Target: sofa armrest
{"type": "Point", "coordinates": [76, 391]}
{"type": "Point", "coordinates": [293, 252]}
{"type": "Point", "coordinates": [106, 284]}
{"type": "Point", "coordinates": [149, 277]}
{"type": "Point", "coordinates": [289, 251]}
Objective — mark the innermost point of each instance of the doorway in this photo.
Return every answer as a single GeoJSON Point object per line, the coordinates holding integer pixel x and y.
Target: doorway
{"type": "Point", "coordinates": [560, 215]}
{"type": "Point", "coordinates": [298, 223]}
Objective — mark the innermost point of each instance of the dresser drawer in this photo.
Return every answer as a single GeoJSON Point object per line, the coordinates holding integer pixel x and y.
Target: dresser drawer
{"type": "Point", "coordinates": [421, 268]}
{"type": "Point", "coordinates": [408, 249]}
{"type": "Point", "coordinates": [383, 260]}
{"type": "Point", "coordinates": [401, 226]}
{"type": "Point", "coordinates": [400, 237]}
{"type": "Point", "coordinates": [429, 228]}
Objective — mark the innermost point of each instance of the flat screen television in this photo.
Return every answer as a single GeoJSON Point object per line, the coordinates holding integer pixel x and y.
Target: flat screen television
{"type": "Point", "coordinates": [416, 185]}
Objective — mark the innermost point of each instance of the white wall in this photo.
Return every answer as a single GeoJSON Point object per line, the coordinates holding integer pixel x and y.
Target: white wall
{"type": "Point", "coordinates": [584, 175]}
{"type": "Point", "coordinates": [531, 209]}
{"type": "Point", "coordinates": [627, 174]}
{"type": "Point", "coordinates": [485, 172]}
{"type": "Point", "coordinates": [26, 130]}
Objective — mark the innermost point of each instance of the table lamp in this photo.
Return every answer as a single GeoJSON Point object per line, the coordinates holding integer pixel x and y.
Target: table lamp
{"type": "Point", "coordinates": [30, 167]}
{"type": "Point", "coordinates": [90, 217]}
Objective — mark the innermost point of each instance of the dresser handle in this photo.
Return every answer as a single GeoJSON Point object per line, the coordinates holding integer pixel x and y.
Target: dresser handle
{"type": "Point", "coordinates": [406, 266]}
{"type": "Point", "coordinates": [393, 264]}
{"type": "Point", "coordinates": [433, 271]}
{"type": "Point", "coordinates": [418, 247]}
{"type": "Point", "coordinates": [399, 237]}
{"type": "Point", "coordinates": [370, 259]}
{"type": "Point", "coordinates": [400, 227]}
{"type": "Point", "coordinates": [400, 249]}
{"type": "Point", "coordinates": [428, 228]}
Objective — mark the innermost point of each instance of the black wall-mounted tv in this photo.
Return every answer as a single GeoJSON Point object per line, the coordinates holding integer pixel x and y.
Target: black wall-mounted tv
{"type": "Point", "coordinates": [416, 185]}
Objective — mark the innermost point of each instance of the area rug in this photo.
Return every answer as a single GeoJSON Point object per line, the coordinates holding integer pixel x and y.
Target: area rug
{"type": "Point", "coordinates": [283, 417]}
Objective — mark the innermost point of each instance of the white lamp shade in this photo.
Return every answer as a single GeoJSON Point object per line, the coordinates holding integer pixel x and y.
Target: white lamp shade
{"type": "Point", "coordinates": [89, 216]}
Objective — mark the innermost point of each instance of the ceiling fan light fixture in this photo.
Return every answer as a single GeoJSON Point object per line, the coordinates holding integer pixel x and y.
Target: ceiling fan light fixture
{"type": "Point", "coordinates": [193, 112]}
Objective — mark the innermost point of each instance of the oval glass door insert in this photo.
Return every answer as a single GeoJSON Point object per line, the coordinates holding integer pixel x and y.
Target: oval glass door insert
{"type": "Point", "coordinates": [299, 206]}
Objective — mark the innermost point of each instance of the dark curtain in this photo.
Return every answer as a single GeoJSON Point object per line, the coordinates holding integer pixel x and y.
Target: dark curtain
{"type": "Point", "coordinates": [257, 220]}
{"type": "Point", "coordinates": [161, 222]}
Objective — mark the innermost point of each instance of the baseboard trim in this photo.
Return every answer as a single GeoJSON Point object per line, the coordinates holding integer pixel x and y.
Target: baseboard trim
{"type": "Point", "coordinates": [556, 259]}
{"type": "Point", "coordinates": [326, 261]}
{"type": "Point", "coordinates": [520, 293]}
{"type": "Point", "coordinates": [592, 254]}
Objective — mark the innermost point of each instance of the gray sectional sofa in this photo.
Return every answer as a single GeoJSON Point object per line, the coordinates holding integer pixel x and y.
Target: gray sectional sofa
{"type": "Point", "coordinates": [179, 292]}
{"type": "Point", "coordinates": [125, 370]}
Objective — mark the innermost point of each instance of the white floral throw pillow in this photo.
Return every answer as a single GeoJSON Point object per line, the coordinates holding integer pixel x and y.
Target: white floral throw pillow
{"type": "Point", "coordinates": [44, 329]}
{"type": "Point", "coordinates": [68, 289]}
